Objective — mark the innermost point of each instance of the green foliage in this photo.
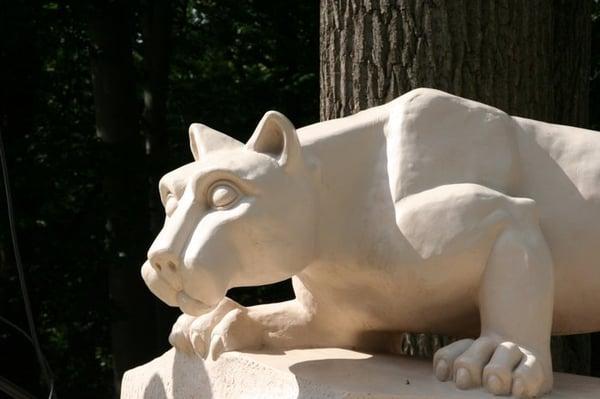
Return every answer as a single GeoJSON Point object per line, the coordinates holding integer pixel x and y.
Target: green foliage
{"type": "Point", "coordinates": [53, 156]}
{"type": "Point", "coordinates": [231, 61]}
{"type": "Point", "coordinates": [235, 59]}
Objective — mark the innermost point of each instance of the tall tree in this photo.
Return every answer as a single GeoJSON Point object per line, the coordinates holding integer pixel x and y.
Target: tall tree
{"type": "Point", "coordinates": [125, 185]}
{"type": "Point", "coordinates": [19, 74]}
{"type": "Point", "coordinates": [157, 21]}
{"type": "Point", "coordinates": [156, 34]}
{"type": "Point", "coordinates": [529, 58]}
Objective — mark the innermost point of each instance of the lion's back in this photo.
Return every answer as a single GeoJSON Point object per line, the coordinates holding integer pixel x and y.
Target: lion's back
{"type": "Point", "coordinates": [435, 138]}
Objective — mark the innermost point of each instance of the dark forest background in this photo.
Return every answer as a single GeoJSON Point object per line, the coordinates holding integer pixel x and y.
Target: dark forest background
{"type": "Point", "coordinates": [95, 101]}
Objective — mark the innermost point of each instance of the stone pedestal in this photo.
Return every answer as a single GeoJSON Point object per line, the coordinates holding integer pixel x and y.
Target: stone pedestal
{"type": "Point", "coordinates": [310, 373]}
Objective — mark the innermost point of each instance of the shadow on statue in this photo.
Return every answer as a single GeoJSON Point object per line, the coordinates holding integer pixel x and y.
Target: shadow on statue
{"type": "Point", "coordinates": [184, 374]}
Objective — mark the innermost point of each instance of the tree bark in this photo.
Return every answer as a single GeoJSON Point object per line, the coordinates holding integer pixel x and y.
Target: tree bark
{"type": "Point", "coordinates": [125, 187]}
{"type": "Point", "coordinates": [496, 52]}
{"type": "Point", "coordinates": [528, 58]}
{"type": "Point", "coordinates": [570, 82]}
{"type": "Point", "coordinates": [572, 32]}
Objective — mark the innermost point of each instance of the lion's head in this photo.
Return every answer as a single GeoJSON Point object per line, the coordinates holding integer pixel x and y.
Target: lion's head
{"type": "Point", "coordinates": [240, 215]}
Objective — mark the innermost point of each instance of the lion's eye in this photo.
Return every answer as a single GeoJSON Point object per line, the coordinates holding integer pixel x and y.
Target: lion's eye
{"type": "Point", "coordinates": [222, 195]}
{"type": "Point", "coordinates": [170, 204]}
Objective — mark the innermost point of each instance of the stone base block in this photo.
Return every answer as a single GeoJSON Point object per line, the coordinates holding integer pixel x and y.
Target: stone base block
{"type": "Point", "coordinates": [310, 373]}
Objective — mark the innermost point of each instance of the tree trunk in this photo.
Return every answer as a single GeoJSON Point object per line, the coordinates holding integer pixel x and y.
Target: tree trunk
{"type": "Point", "coordinates": [156, 23]}
{"type": "Point", "coordinates": [528, 58]}
{"type": "Point", "coordinates": [572, 32]}
{"type": "Point", "coordinates": [125, 187]}
{"type": "Point", "coordinates": [156, 35]}
{"type": "Point", "coordinates": [570, 83]}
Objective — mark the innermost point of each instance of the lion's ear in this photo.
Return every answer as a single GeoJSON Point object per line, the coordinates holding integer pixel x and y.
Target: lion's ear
{"type": "Point", "coordinates": [276, 136]}
{"type": "Point", "coordinates": [204, 140]}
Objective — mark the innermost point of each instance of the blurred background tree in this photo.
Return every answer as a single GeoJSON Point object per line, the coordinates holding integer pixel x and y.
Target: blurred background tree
{"type": "Point", "coordinates": [95, 104]}
{"type": "Point", "coordinates": [95, 101]}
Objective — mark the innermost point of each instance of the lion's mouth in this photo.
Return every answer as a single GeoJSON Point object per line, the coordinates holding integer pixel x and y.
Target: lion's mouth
{"type": "Point", "coordinates": [171, 294]}
{"type": "Point", "coordinates": [192, 306]}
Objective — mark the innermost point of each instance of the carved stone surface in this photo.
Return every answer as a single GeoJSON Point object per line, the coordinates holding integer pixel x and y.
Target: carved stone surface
{"type": "Point", "coordinates": [309, 373]}
{"type": "Point", "coordinates": [431, 213]}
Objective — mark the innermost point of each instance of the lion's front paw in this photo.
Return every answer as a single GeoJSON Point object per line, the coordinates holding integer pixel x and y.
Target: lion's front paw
{"type": "Point", "coordinates": [501, 367]}
{"type": "Point", "coordinates": [179, 337]}
{"type": "Point", "coordinates": [226, 328]}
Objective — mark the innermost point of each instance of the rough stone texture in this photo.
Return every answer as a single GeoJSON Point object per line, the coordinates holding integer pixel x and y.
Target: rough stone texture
{"type": "Point", "coordinates": [309, 373]}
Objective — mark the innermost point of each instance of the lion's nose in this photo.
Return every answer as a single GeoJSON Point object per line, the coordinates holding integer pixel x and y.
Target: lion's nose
{"type": "Point", "coordinates": [167, 266]}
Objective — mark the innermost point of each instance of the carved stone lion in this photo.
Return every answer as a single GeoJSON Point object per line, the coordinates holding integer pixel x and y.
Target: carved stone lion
{"type": "Point", "coordinates": [431, 213]}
